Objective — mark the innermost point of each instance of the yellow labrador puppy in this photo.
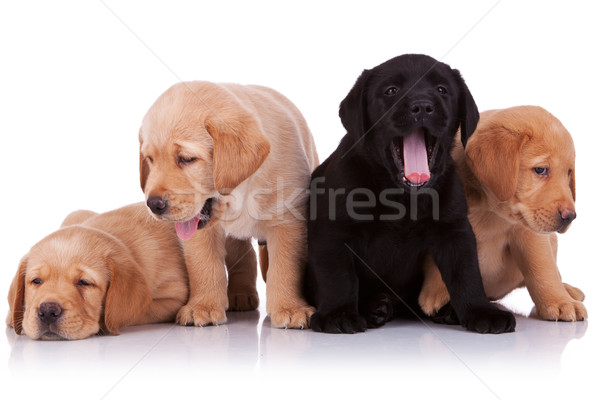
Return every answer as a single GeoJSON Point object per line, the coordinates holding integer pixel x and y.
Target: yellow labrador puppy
{"type": "Point", "coordinates": [99, 272]}
{"type": "Point", "coordinates": [518, 171]}
{"type": "Point", "coordinates": [226, 160]}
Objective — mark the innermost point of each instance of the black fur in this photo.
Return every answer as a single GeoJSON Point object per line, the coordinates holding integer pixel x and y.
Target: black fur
{"type": "Point", "coordinates": [365, 263]}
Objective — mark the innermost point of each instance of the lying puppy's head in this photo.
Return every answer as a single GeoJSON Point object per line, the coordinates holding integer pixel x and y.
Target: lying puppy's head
{"type": "Point", "coordinates": [74, 283]}
{"type": "Point", "coordinates": [408, 109]}
{"type": "Point", "coordinates": [525, 158]}
{"type": "Point", "coordinates": [196, 142]}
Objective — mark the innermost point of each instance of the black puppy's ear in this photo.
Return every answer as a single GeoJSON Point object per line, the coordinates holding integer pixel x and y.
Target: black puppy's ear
{"type": "Point", "coordinates": [468, 113]}
{"type": "Point", "coordinates": [351, 108]}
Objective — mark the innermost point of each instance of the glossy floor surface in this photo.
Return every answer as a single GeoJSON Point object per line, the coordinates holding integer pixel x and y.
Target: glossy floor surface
{"type": "Point", "coordinates": [246, 356]}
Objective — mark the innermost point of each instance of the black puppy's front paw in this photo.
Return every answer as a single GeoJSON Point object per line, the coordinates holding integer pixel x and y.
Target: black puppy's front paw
{"type": "Point", "coordinates": [338, 322]}
{"type": "Point", "coordinates": [489, 319]}
{"type": "Point", "coordinates": [380, 311]}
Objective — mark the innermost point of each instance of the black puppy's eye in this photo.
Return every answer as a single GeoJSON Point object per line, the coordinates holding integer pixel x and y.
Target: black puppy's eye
{"type": "Point", "coordinates": [392, 90]}
{"type": "Point", "coordinates": [442, 90]}
{"type": "Point", "coordinates": [37, 281]}
{"type": "Point", "coordinates": [83, 282]}
{"type": "Point", "coordinates": [183, 160]}
{"type": "Point", "coordinates": [541, 171]}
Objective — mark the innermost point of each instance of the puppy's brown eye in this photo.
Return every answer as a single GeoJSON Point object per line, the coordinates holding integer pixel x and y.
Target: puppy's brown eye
{"type": "Point", "coordinates": [83, 282]}
{"type": "Point", "coordinates": [182, 160]}
{"type": "Point", "coordinates": [541, 171]}
{"type": "Point", "coordinates": [37, 281]}
{"type": "Point", "coordinates": [392, 90]}
{"type": "Point", "coordinates": [150, 159]}
{"type": "Point", "coordinates": [442, 90]}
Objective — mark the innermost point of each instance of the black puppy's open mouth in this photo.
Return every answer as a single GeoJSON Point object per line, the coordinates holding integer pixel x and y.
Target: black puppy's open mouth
{"type": "Point", "coordinates": [185, 230]}
{"type": "Point", "coordinates": [414, 155]}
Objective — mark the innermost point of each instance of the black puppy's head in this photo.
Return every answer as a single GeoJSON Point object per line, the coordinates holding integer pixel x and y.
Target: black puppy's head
{"type": "Point", "coordinates": [407, 111]}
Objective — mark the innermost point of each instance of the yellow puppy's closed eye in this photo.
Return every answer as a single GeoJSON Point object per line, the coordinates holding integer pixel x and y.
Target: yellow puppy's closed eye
{"type": "Point", "coordinates": [183, 160]}
{"type": "Point", "coordinates": [83, 282]}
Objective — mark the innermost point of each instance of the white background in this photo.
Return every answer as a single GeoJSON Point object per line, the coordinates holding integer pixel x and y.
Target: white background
{"type": "Point", "coordinates": [76, 78]}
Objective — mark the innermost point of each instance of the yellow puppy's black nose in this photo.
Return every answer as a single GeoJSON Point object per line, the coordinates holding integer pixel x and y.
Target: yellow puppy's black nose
{"type": "Point", "coordinates": [48, 313]}
{"type": "Point", "coordinates": [566, 216]}
{"type": "Point", "coordinates": [157, 205]}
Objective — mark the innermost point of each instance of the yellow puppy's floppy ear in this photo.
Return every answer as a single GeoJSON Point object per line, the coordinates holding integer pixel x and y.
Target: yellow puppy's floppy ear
{"type": "Point", "coordinates": [493, 154]}
{"type": "Point", "coordinates": [16, 298]}
{"type": "Point", "coordinates": [127, 295]}
{"type": "Point", "coordinates": [240, 148]}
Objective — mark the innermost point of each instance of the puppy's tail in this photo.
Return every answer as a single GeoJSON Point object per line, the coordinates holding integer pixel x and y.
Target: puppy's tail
{"type": "Point", "coordinates": [263, 259]}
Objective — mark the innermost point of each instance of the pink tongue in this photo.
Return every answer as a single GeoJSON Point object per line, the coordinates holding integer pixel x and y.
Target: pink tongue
{"type": "Point", "coordinates": [416, 167]}
{"type": "Point", "coordinates": [185, 230]}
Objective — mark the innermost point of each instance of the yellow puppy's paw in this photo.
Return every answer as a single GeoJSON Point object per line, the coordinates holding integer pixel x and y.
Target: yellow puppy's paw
{"type": "Point", "coordinates": [432, 301]}
{"type": "Point", "coordinates": [566, 310]}
{"type": "Point", "coordinates": [243, 301]}
{"type": "Point", "coordinates": [201, 315]}
{"type": "Point", "coordinates": [575, 293]}
{"type": "Point", "coordinates": [291, 317]}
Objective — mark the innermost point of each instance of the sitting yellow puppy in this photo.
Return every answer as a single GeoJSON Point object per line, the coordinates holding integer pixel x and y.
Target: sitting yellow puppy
{"type": "Point", "coordinates": [518, 172]}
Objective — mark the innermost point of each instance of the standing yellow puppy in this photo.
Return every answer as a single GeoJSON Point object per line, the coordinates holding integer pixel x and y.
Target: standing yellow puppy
{"type": "Point", "coordinates": [226, 160]}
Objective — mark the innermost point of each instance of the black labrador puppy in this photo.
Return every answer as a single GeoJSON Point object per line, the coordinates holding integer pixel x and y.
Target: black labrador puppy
{"type": "Point", "coordinates": [389, 196]}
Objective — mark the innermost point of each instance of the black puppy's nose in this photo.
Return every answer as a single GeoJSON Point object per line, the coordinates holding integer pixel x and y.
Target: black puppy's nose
{"type": "Point", "coordinates": [567, 216]}
{"type": "Point", "coordinates": [157, 205]}
{"type": "Point", "coordinates": [421, 108]}
{"type": "Point", "coordinates": [48, 313]}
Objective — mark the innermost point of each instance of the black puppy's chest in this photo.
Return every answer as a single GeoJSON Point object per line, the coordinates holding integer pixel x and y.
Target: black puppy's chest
{"type": "Point", "coordinates": [395, 232]}
{"type": "Point", "coordinates": [393, 252]}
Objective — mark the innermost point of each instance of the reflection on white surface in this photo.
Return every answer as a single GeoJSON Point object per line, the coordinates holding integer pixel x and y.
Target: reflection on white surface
{"type": "Point", "coordinates": [246, 354]}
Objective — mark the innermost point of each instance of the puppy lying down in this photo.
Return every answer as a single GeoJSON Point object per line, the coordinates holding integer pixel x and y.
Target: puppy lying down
{"type": "Point", "coordinates": [99, 273]}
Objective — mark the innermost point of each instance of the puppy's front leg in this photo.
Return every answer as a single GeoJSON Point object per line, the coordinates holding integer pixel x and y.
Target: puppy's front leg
{"type": "Point", "coordinates": [536, 259]}
{"type": "Point", "coordinates": [205, 261]}
{"type": "Point", "coordinates": [434, 294]}
{"type": "Point", "coordinates": [575, 293]}
{"type": "Point", "coordinates": [332, 285]}
{"type": "Point", "coordinates": [287, 258]}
